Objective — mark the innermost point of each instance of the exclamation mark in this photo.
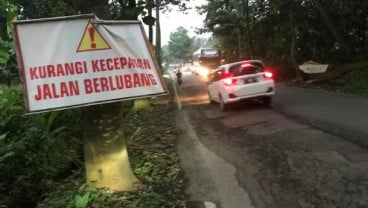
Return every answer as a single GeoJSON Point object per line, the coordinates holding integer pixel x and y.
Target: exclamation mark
{"type": "Point", "coordinates": [91, 32]}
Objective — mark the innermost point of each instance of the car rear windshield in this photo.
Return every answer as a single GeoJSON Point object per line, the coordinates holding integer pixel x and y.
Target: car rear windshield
{"type": "Point", "coordinates": [246, 69]}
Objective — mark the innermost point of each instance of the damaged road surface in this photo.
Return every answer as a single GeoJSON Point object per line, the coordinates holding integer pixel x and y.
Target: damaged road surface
{"type": "Point", "coordinates": [256, 156]}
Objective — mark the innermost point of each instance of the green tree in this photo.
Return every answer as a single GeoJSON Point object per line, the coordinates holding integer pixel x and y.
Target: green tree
{"type": "Point", "coordinates": [166, 57]}
{"type": "Point", "coordinates": [8, 69]}
{"type": "Point", "coordinates": [289, 32]}
{"type": "Point", "coordinates": [180, 45]}
{"type": "Point", "coordinates": [42, 8]}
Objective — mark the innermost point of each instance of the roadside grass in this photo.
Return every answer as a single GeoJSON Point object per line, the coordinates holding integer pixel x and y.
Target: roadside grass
{"type": "Point", "coordinates": [354, 82]}
{"type": "Point", "coordinates": [150, 135]}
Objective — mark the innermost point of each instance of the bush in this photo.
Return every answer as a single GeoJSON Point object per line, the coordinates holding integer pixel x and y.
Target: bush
{"type": "Point", "coordinates": [150, 135]}
{"type": "Point", "coordinates": [35, 150]}
{"type": "Point", "coordinates": [38, 152]}
{"type": "Point", "coordinates": [355, 81]}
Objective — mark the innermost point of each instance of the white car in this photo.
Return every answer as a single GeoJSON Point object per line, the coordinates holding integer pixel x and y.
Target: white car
{"type": "Point", "coordinates": [237, 81]}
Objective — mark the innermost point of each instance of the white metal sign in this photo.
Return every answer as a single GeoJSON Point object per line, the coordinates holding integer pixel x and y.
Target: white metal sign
{"type": "Point", "coordinates": [75, 61]}
{"type": "Point", "coordinates": [311, 67]}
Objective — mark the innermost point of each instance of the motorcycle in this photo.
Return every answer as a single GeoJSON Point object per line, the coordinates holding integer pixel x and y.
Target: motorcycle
{"type": "Point", "coordinates": [180, 81]}
{"type": "Point", "coordinates": [178, 78]}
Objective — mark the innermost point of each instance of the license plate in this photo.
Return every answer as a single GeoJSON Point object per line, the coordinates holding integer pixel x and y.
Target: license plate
{"type": "Point", "coordinates": [250, 80]}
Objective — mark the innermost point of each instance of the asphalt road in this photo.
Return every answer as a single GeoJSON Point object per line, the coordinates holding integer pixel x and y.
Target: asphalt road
{"type": "Point", "coordinates": [308, 150]}
{"type": "Point", "coordinates": [340, 114]}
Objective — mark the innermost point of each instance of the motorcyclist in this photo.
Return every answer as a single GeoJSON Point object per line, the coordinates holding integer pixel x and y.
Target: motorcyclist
{"type": "Point", "coordinates": [178, 76]}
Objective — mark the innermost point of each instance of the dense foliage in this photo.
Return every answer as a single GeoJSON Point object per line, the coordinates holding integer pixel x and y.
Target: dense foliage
{"type": "Point", "coordinates": [151, 145]}
{"type": "Point", "coordinates": [8, 65]}
{"type": "Point", "coordinates": [41, 157]}
{"type": "Point", "coordinates": [289, 32]}
{"type": "Point", "coordinates": [35, 150]}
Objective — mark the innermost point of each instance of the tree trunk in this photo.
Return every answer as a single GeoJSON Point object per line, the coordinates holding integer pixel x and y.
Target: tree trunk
{"type": "Point", "coordinates": [158, 33]}
{"type": "Point", "coordinates": [8, 77]}
{"type": "Point", "coordinates": [248, 29]}
{"type": "Point", "coordinates": [150, 27]}
{"type": "Point", "coordinates": [294, 62]}
{"type": "Point", "coordinates": [106, 157]}
{"type": "Point", "coordinates": [239, 43]}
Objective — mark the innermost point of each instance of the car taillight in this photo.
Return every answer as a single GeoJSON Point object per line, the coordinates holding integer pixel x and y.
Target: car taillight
{"type": "Point", "coordinates": [268, 74]}
{"type": "Point", "coordinates": [230, 81]}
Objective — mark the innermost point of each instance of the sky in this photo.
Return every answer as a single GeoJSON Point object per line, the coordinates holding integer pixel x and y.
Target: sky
{"type": "Point", "coordinates": [170, 21]}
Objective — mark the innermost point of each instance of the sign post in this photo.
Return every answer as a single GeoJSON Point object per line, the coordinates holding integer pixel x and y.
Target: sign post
{"type": "Point", "coordinates": [81, 61]}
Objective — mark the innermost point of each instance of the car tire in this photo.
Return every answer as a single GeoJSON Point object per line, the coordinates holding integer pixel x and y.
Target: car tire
{"type": "Point", "coordinates": [210, 98]}
{"type": "Point", "coordinates": [267, 100]}
{"type": "Point", "coordinates": [223, 105]}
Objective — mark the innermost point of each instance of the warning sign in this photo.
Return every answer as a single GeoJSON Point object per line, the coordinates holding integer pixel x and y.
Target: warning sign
{"type": "Point", "coordinates": [79, 60]}
{"type": "Point", "coordinates": [92, 40]}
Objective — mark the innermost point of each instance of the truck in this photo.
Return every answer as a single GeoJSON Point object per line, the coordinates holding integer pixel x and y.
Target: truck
{"type": "Point", "coordinates": [205, 60]}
